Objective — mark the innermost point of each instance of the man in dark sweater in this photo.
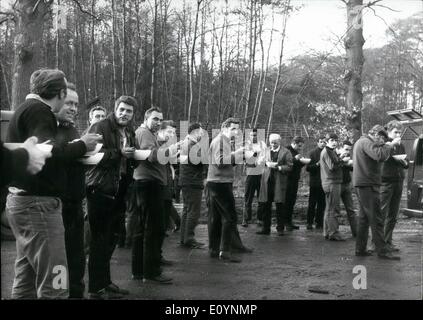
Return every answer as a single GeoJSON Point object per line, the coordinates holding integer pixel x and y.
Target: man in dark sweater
{"type": "Point", "coordinates": [369, 153]}
{"type": "Point", "coordinates": [220, 176]}
{"type": "Point", "coordinates": [393, 174]}
{"type": "Point", "coordinates": [72, 213]}
{"type": "Point", "coordinates": [34, 205]}
{"type": "Point", "coordinates": [191, 179]}
{"type": "Point", "coordinates": [316, 200]}
{"type": "Point", "coordinates": [107, 185]}
{"type": "Point", "coordinates": [293, 178]}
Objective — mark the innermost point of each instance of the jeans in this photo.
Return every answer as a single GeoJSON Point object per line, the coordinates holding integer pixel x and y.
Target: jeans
{"type": "Point", "coordinates": [370, 215]}
{"type": "Point", "coordinates": [222, 216]}
{"type": "Point", "coordinates": [40, 266]}
{"type": "Point", "coordinates": [191, 213]}
{"type": "Point", "coordinates": [390, 198]}
{"type": "Point", "coordinates": [146, 247]}
{"type": "Point", "coordinates": [73, 220]}
{"type": "Point", "coordinates": [333, 208]}
{"type": "Point", "coordinates": [346, 196]}
{"type": "Point", "coordinates": [252, 185]}
{"type": "Point", "coordinates": [316, 206]}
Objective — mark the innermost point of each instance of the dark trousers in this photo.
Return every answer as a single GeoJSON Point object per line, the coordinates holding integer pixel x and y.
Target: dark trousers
{"type": "Point", "coordinates": [390, 197]}
{"type": "Point", "coordinates": [347, 199]}
{"type": "Point", "coordinates": [148, 238]}
{"type": "Point", "coordinates": [73, 221]}
{"type": "Point", "coordinates": [222, 216]}
{"type": "Point", "coordinates": [316, 206]}
{"type": "Point", "coordinates": [102, 217]}
{"type": "Point", "coordinates": [291, 198]}
{"type": "Point", "coordinates": [252, 187]}
{"type": "Point", "coordinates": [267, 216]}
{"type": "Point", "coordinates": [191, 213]}
{"type": "Point", "coordinates": [370, 215]}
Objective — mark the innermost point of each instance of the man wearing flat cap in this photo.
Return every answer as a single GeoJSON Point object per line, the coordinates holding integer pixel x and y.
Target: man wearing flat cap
{"type": "Point", "coordinates": [369, 153]}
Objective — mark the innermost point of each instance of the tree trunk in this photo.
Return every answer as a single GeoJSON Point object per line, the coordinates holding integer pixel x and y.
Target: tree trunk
{"type": "Point", "coordinates": [115, 81]}
{"type": "Point", "coordinates": [27, 46]}
{"type": "Point", "coordinates": [354, 42]}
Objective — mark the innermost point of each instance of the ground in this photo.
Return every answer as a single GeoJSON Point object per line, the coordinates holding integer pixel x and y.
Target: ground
{"type": "Point", "coordinates": [279, 268]}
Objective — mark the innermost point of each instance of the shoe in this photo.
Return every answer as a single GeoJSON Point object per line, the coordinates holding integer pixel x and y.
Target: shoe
{"type": "Point", "coordinates": [263, 232]}
{"type": "Point", "coordinates": [336, 237]}
{"type": "Point", "coordinates": [393, 248]}
{"type": "Point", "coordinates": [99, 295]}
{"type": "Point", "coordinates": [160, 279]}
{"type": "Point", "coordinates": [193, 245]}
{"type": "Point", "coordinates": [214, 254]}
{"type": "Point", "coordinates": [244, 249]}
{"type": "Point", "coordinates": [280, 233]}
{"type": "Point", "coordinates": [115, 289]}
{"type": "Point", "coordinates": [309, 227]}
{"type": "Point", "coordinates": [229, 258]}
{"type": "Point", "coordinates": [388, 256]}
{"type": "Point", "coordinates": [326, 236]}
{"type": "Point", "coordinates": [292, 227]}
{"type": "Point", "coordinates": [176, 228]}
{"type": "Point", "coordinates": [244, 224]}
{"type": "Point", "coordinates": [363, 253]}
{"type": "Point", "coordinates": [259, 223]}
{"type": "Point", "coordinates": [165, 262]}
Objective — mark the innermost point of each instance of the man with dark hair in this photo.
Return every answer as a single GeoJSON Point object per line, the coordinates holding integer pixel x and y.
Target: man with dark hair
{"type": "Point", "coordinates": [107, 184]}
{"type": "Point", "coordinates": [273, 187]}
{"type": "Point", "coordinates": [369, 153]}
{"type": "Point", "coordinates": [316, 200]}
{"type": "Point", "coordinates": [331, 174]}
{"type": "Point", "coordinates": [253, 180]}
{"type": "Point", "coordinates": [346, 187]}
{"type": "Point", "coordinates": [72, 213]}
{"type": "Point", "coordinates": [392, 183]}
{"type": "Point", "coordinates": [191, 179]}
{"type": "Point", "coordinates": [34, 205]}
{"type": "Point", "coordinates": [293, 178]}
{"type": "Point", "coordinates": [97, 114]}
{"type": "Point", "coordinates": [150, 178]}
{"type": "Point", "coordinates": [222, 213]}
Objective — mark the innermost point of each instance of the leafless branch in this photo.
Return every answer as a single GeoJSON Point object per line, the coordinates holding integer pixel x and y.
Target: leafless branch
{"type": "Point", "coordinates": [85, 11]}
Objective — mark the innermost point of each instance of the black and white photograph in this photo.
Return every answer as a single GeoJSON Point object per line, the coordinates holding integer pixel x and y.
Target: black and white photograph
{"type": "Point", "coordinates": [211, 156]}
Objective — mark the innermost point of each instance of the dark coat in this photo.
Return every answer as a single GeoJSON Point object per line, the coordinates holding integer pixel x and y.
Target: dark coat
{"type": "Point", "coordinates": [105, 176]}
{"type": "Point", "coordinates": [281, 177]}
{"type": "Point", "coordinates": [313, 168]}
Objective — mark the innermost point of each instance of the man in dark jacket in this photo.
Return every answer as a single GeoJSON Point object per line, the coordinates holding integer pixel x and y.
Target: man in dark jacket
{"type": "Point", "coordinates": [316, 200]}
{"type": "Point", "coordinates": [293, 179]}
{"type": "Point", "coordinates": [34, 205]}
{"type": "Point", "coordinates": [392, 182]}
{"type": "Point", "coordinates": [191, 179]}
{"type": "Point", "coordinates": [72, 213]}
{"type": "Point", "coordinates": [107, 184]}
{"type": "Point", "coordinates": [273, 185]}
{"type": "Point", "coordinates": [369, 153]}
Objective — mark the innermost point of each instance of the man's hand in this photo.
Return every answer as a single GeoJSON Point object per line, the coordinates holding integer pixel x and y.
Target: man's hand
{"type": "Point", "coordinates": [298, 157]}
{"type": "Point", "coordinates": [128, 152]}
{"type": "Point", "coordinates": [90, 140]}
{"type": "Point", "coordinates": [36, 157]}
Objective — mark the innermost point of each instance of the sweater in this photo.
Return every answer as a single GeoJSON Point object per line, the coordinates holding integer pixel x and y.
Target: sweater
{"type": "Point", "coordinates": [330, 167]}
{"type": "Point", "coordinates": [35, 118]}
{"type": "Point", "coordinates": [221, 160]}
{"type": "Point", "coordinates": [393, 170]}
{"type": "Point", "coordinates": [191, 174]}
{"type": "Point", "coordinates": [13, 163]}
{"type": "Point", "coordinates": [368, 156]}
{"type": "Point", "coordinates": [149, 169]}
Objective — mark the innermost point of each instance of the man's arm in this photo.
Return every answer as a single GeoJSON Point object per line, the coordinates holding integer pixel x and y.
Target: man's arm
{"type": "Point", "coordinates": [111, 155]}
{"type": "Point", "coordinates": [313, 166]}
{"type": "Point", "coordinates": [376, 151]}
{"type": "Point", "coordinates": [12, 163]}
{"type": "Point", "coordinates": [286, 163]}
